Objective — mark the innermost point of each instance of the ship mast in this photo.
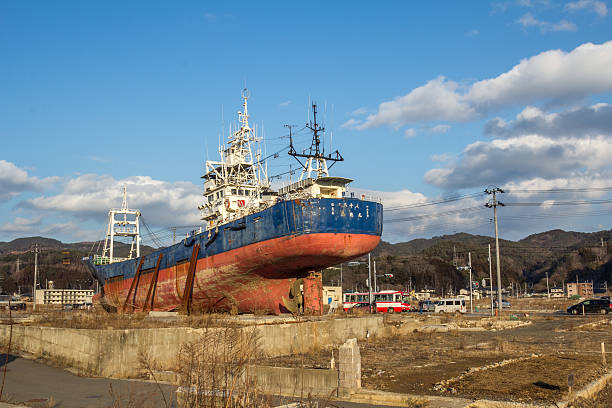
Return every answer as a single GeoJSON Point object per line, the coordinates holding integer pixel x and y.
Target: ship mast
{"type": "Point", "coordinates": [234, 185]}
{"type": "Point", "coordinates": [316, 161]}
{"type": "Point", "coordinates": [122, 222]}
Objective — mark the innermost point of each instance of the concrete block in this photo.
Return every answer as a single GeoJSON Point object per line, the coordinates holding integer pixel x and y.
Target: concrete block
{"type": "Point", "coordinates": [349, 365]}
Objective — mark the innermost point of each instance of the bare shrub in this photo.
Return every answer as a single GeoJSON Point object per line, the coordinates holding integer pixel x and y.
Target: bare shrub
{"type": "Point", "coordinates": [214, 370]}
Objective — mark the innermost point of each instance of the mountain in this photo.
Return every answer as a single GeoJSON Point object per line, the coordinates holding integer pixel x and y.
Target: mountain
{"type": "Point", "coordinates": [420, 263]}
{"type": "Point", "coordinates": [57, 261]}
{"type": "Point", "coordinates": [432, 263]}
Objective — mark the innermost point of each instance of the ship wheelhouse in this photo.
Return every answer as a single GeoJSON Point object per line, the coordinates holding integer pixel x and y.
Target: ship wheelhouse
{"type": "Point", "coordinates": [234, 186]}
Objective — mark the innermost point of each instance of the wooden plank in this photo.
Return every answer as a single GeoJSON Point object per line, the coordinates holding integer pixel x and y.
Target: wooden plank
{"type": "Point", "coordinates": [134, 282]}
{"type": "Point", "coordinates": [153, 285]}
{"type": "Point", "coordinates": [188, 291]}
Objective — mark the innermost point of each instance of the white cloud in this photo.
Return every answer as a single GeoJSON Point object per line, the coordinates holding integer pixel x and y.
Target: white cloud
{"type": "Point", "coordinates": [285, 103]}
{"type": "Point", "coordinates": [351, 123]}
{"type": "Point", "coordinates": [210, 17]}
{"type": "Point", "coordinates": [522, 158]}
{"type": "Point", "coordinates": [409, 133]}
{"type": "Point", "coordinates": [588, 186]}
{"type": "Point", "coordinates": [440, 157]}
{"type": "Point", "coordinates": [438, 99]}
{"type": "Point", "coordinates": [14, 181]}
{"type": "Point", "coordinates": [552, 75]}
{"type": "Point", "coordinates": [359, 111]}
{"type": "Point", "coordinates": [440, 129]}
{"type": "Point", "coordinates": [21, 225]}
{"type": "Point", "coordinates": [592, 121]}
{"type": "Point", "coordinates": [473, 33]}
{"type": "Point", "coordinates": [528, 20]}
{"type": "Point", "coordinates": [597, 6]}
{"type": "Point", "coordinates": [90, 196]}
{"type": "Point", "coordinates": [408, 216]}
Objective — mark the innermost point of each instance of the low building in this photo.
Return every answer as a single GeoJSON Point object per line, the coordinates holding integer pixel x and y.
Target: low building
{"type": "Point", "coordinates": [424, 294]}
{"type": "Point", "coordinates": [332, 294]}
{"type": "Point", "coordinates": [582, 289]}
{"type": "Point", "coordinates": [64, 296]}
{"type": "Point", "coordinates": [476, 294]}
{"type": "Point", "coordinates": [557, 292]}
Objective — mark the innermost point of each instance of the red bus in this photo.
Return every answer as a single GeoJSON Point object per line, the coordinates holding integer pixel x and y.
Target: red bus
{"type": "Point", "coordinates": [386, 301]}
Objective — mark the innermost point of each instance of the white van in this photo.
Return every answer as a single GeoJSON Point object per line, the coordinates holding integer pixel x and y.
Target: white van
{"type": "Point", "coordinates": [450, 305]}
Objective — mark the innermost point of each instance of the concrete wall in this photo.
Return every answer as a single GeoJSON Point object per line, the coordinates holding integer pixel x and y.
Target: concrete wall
{"type": "Point", "coordinates": [296, 381]}
{"type": "Point", "coordinates": [114, 353]}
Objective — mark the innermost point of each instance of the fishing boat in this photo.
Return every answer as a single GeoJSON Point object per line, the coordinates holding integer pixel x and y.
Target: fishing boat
{"type": "Point", "coordinates": [259, 250]}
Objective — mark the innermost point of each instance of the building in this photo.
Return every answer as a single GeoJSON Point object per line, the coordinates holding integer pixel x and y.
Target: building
{"type": "Point", "coordinates": [582, 289]}
{"type": "Point", "coordinates": [64, 296]}
{"type": "Point", "coordinates": [465, 293]}
{"type": "Point", "coordinates": [424, 294]}
{"type": "Point", "coordinates": [557, 292]}
{"type": "Point", "coordinates": [332, 294]}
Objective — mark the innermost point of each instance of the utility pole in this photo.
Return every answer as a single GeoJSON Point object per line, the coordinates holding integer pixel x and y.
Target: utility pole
{"type": "Point", "coordinates": [35, 276]}
{"type": "Point", "coordinates": [375, 284]}
{"type": "Point", "coordinates": [369, 283]}
{"type": "Point", "coordinates": [340, 277]}
{"type": "Point", "coordinates": [491, 281]}
{"type": "Point", "coordinates": [547, 288]}
{"type": "Point", "coordinates": [470, 268]}
{"type": "Point", "coordinates": [494, 203]}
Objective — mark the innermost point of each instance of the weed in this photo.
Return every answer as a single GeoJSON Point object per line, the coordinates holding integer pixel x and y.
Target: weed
{"type": "Point", "coordinates": [214, 370]}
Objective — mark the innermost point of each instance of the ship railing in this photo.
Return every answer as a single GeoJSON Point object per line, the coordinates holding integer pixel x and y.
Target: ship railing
{"type": "Point", "coordinates": [105, 260]}
{"type": "Point", "coordinates": [365, 197]}
{"type": "Point", "coordinates": [101, 260]}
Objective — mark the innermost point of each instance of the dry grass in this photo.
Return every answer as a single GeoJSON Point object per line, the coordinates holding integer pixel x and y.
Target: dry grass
{"type": "Point", "coordinates": [99, 319]}
{"type": "Point", "coordinates": [214, 370]}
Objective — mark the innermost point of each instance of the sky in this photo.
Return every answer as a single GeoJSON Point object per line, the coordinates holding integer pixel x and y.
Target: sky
{"type": "Point", "coordinates": [428, 102]}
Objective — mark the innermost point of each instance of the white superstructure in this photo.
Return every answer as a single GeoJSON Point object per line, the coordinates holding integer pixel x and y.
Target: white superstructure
{"type": "Point", "coordinates": [237, 184]}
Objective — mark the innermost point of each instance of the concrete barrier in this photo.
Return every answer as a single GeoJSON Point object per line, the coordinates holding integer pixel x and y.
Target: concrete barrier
{"type": "Point", "coordinates": [115, 353]}
{"type": "Point", "coordinates": [320, 383]}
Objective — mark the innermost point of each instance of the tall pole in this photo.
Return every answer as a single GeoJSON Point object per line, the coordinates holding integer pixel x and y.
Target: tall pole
{"type": "Point", "coordinates": [375, 284]}
{"type": "Point", "coordinates": [340, 277]}
{"type": "Point", "coordinates": [470, 268]}
{"type": "Point", "coordinates": [491, 281]}
{"type": "Point", "coordinates": [35, 275]}
{"type": "Point", "coordinates": [369, 283]}
{"type": "Point", "coordinates": [494, 203]}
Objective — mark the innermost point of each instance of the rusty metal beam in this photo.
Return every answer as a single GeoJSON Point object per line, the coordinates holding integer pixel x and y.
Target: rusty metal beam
{"type": "Point", "coordinates": [188, 291]}
{"type": "Point", "coordinates": [134, 282]}
{"type": "Point", "coordinates": [153, 285]}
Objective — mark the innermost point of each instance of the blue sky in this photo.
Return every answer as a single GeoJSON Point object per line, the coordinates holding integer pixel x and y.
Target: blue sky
{"type": "Point", "coordinates": [424, 100]}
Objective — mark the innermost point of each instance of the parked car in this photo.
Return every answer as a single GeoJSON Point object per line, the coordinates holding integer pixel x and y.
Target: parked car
{"type": "Point", "coordinates": [362, 307]}
{"type": "Point", "coordinates": [505, 304]}
{"type": "Point", "coordinates": [426, 306]}
{"type": "Point", "coordinates": [602, 306]}
{"type": "Point", "coordinates": [450, 306]}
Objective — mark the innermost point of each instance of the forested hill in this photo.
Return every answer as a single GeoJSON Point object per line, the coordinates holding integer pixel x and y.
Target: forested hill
{"type": "Point", "coordinates": [431, 262]}
{"type": "Point", "coordinates": [57, 261]}
{"type": "Point", "coordinates": [421, 263]}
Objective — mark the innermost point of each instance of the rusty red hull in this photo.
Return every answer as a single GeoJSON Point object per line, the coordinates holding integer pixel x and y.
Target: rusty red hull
{"type": "Point", "coordinates": [254, 278]}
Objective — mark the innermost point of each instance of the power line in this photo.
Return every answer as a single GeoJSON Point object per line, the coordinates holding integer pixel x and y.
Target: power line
{"type": "Point", "coordinates": [434, 202]}
{"type": "Point", "coordinates": [561, 190]}
{"type": "Point", "coordinates": [547, 203]}
{"type": "Point", "coordinates": [434, 215]}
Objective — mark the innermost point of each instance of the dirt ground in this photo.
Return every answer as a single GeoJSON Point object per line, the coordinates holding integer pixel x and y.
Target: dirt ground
{"type": "Point", "coordinates": [602, 400]}
{"type": "Point", "coordinates": [548, 350]}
